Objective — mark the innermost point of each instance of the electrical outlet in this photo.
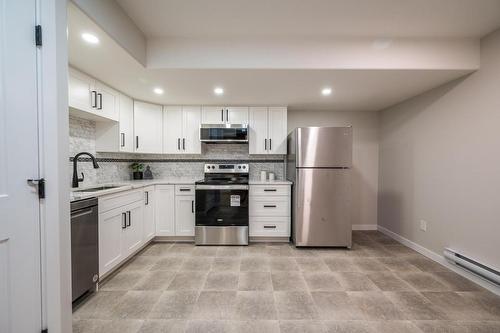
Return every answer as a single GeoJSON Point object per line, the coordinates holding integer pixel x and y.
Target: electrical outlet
{"type": "Point", "coordinates": [423, 225]}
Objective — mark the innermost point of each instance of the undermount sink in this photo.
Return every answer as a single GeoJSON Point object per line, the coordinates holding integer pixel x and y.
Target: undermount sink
{"type": "Point", "coordinates": [98, 188]}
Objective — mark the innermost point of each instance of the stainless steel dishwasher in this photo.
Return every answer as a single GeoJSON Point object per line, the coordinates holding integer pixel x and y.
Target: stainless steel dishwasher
{"type": "Point", "coordinates": [84, 246]}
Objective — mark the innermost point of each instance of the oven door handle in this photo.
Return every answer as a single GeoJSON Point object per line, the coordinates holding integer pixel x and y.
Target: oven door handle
{"type": "Point", "coordinates": [221, 187]}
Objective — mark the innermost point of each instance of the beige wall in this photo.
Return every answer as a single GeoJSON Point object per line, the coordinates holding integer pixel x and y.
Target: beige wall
{"type": "Point", "coordinates": [365, 155]}
{"type": "Point", "coordinates": [440, 161]}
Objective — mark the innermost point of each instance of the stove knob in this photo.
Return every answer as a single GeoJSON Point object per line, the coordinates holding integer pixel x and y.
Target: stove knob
{"type": "Point", "coordinates": [239, 166]}
{"type": "Point", "coordinates": [244, 167]}
{"type": "Point", "coordinates": [213, 166]}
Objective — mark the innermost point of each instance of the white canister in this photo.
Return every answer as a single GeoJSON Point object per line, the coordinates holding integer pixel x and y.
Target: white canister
{"type": "Point", "coordinates": [263, 176]}
{"type": "Point", "coordinates": [271, 176]}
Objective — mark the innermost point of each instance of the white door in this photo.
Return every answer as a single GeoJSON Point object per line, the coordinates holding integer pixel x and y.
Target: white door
{"type": "Point", "coordinates": [149, 213]}
{"type": "Point", "coordinates": [126, 124]}
{"type": "Point", "coordinates": [112, 226]}
{"type": "Point", "coordinates": [81, 93]}
{"type": "Point", "coordinates": [257, 137]}
{"type": "Point", "coordinates": [184, 215]}
{"type": "Point", "coordinates": [213, 115]}
{"type": "Point", "coordinates": [191, 129]}
{"type": "Point", "coordinates": [237, 115]}
{"type": "Point", "coordinates": [277, 130]}
{"type": "Point", "coordinates": [165, 210]}
{"type": "Point", "coordinates": [172, 129]}
{"type": "Point", "coordinates": [20, 295]}
{"type": "Point", "coordinates": [148, 124]}
{"type": "Point", "coordinates": [107, 101]}
{"type": "Point", "coordinates": [133, 232]}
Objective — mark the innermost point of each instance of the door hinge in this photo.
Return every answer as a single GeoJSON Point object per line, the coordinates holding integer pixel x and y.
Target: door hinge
{"type": "Point", "coordinates": [38, 35]}
{"type": "Point", "coordinates": [40, 184]}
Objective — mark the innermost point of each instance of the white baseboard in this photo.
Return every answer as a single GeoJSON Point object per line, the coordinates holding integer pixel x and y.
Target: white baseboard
{"type": "Point", "coordinates": [441, 260]}
{"type": "Point", "coordinates": [364, 227]}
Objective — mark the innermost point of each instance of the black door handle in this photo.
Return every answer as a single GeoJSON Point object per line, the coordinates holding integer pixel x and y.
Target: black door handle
{"type": "Point", "coordinates": [227, 115]}
{"type": "Point", "coordinates": [183, 144]}
{"type": "Point", "coordinates": [265, 144]}
{"type": "Point", "coordinates": [270, 144]}
{"type": "Point", "coordinates": [192, 206]}
{"type": "Point", "coordinates": [94, 98]}
{"type": "Point", "coordinates": [123, 139]}
{"type": "Point", "coordinates": [222, 115]}
{"type": "Point", "coordinates": [269, 206]}
{"type": "Point", "coordinates": [124, 220]}
{"type": "Point", "coordinates": [137, 142]}
{"type": "Point", "coordinates": [147, 198]}
{"type": "Point", "coordinates": [269, 190]}
{"type": "Point", "coordinates": [129, 219]}
{"type": "Point", "coordinates": [269, 227]}
{"type": "Point", "coordinates": [178, 144]}
{"type": "Point", "coordinates": [100, 101]}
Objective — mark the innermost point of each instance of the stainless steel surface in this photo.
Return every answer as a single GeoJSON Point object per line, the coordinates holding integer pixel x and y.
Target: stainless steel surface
{"type": "Point", "coordinates": [98, 188]}
{"type": "Point", "coordinates": [224, 126]}
{"type": "Point", "coordinates": [318, 163]}
{"type": "Point", "coordinates": [84, 246]}
{"type": "Point", "coordinates": [324, 147]}
{"type": "Point", "coordinates": [224, 140]}
{"type": "Point", "coordinates": [322, 208]}
{"type": "Point", "coordinates": [221, 187]}
{"type": "Point", "coordinates": [226, 168]}
{"type": "Point", "coordinates": [229, 235]}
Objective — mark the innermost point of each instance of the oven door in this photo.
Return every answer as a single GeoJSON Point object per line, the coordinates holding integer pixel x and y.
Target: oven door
{"type": "Point", "coordinates": [221, 205]}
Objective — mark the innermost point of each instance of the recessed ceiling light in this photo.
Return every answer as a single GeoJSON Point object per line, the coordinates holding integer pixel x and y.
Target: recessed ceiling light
{"type": "Point", "coordinates": [158, 91]}
{"type": "Point", "coordinates": [326, 91]}
{"type": "Point", "coordinates": [218, 91]}
{"type": "Point", "coordinates": [89, 38]}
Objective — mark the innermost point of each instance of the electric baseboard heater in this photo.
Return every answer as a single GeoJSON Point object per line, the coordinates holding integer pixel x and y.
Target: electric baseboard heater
{"type": "Point", "coordinates": [473, 266]}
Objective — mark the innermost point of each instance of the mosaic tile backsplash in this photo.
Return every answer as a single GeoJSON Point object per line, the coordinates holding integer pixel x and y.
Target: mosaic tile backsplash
{"type": "Point", "coordinates": [114, 167]}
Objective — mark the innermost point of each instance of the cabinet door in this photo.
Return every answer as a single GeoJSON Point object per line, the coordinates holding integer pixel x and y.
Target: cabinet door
{"type": "Point", "coordinates": [165, 210]}
{"type": "Point", "coordinates": [237, 115]}
{"type": "Point", "coordinates": [133, 233]}
{"type": "Point", "coordinates": [258, 140]}
{"type": "Point", "coordinates": [80, 87]}
{"type": "Point", "coordinates": [277, 130]}
{"type": "Point", "coordinates": [191, 143]}
{"type": "Point", "coordinates": [213, 115]}
{"type": "Point", "coordinates": [149, 213]}
{"type": "Point", "coordinates": [184, 215]}
{"type": "Point", "coordinates": [148, 124]}
{"type": "Point", "coordinates": [172, 129]}
{"type": "Point", "coordinates": [107, 101]}
{"type": "Point", "coordinates": [111, 226]}
{"type": "Point", "coordinates": [126, 124]}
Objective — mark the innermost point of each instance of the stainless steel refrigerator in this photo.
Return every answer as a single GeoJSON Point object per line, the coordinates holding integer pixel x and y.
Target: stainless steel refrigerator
{"type": "Point", "coordinates": [319, 163]}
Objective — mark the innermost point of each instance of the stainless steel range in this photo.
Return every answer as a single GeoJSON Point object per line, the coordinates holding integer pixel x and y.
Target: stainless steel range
{"type": "Point", "coordinates": [222, 205]}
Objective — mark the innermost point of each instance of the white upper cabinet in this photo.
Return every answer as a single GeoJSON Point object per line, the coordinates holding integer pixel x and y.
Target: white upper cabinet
{"type": "Point", "coordinates": [181, 126]}
{"type": "Point", "coordinates": [224, 115]}
{"type": "Point", "coordinates": [191, 121]}
{"type": "Point", "coordinates": [81, 93]}
{"type": "Point", "coordinates": [91, 99]}
{"type": "Point", "coordinates": [277, 130]}
{"type": "Point", "coordinates": [107, 104]}
{"type": "Point", "coordinates": [257, 137]}
{"type": "Point", "coordinates": [148, 127]}
{"type": "Point", "coordinates": [126, 124]}
{"type": "Point", "coordinates": [237, 115]}
{"type": "Point", "coordinates": [268, 130]}
{"type": "Point", "coordinates": [172, 129]}
{"type": "Point", "coordinates": [213, 115]}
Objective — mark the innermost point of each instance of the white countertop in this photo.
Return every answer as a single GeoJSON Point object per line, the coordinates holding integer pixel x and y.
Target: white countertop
{"type": "Point", "coordinates": [134, 184]}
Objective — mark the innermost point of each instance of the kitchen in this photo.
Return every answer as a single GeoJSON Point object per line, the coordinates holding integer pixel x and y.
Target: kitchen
{"type": "Point", "coordinates": [236, 167]}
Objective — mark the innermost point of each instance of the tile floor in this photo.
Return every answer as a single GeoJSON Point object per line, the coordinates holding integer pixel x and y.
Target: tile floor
{"type": "Point", "coordinates": [378, 286]}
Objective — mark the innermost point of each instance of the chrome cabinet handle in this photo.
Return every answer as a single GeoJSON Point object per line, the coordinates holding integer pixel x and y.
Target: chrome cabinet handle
{"type": "Point", "coordinates": [94, 99]}
{"type": "Point", "coordinates": [100, 101]}
{"type": "Point", "coordinates": [129, 219]}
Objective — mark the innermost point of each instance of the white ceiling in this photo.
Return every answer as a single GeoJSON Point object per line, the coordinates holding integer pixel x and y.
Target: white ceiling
{"type": "Point", "coordinates": [354, 90]}
{"type": "Point", "coordinates": [382, 18]}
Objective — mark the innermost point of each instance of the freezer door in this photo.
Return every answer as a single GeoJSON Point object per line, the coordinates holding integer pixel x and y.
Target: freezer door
{"type": "Point", "coordinates": [322, 212]}
{"type": "Point", "coordinates": [323, 147]}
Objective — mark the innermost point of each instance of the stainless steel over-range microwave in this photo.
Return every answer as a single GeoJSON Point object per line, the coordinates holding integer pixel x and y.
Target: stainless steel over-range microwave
{"type": "Point", "coordinates": [224, 133]}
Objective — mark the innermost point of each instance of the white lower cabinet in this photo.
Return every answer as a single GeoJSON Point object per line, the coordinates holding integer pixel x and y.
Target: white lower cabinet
{"type": "Point", "coordinates": [149, 228]}
{"type": "Point", "coordinates": [184, 215]}
{"type": "Point", "coordinates": [120, 228]}
{"type": "Point", "coordinates": [165, 210]}
{"type": "Point", "coordinates": [269, 211]}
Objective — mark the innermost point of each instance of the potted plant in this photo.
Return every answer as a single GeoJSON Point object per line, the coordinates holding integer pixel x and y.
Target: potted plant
{"type": "Point", "coordinates": [137, 170]}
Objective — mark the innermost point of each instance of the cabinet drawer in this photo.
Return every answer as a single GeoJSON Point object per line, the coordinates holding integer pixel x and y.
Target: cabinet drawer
{"type": "Point", "coordinates": [269, 190]}
{"type": "Point", "coordinates": [269, 206]}
{"type": "Point", "coordinates": [112, 201]}
{"type": "Point", "coordinates": [184, 189]}
{"type": "Point", "coordinates": [269, 226]}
